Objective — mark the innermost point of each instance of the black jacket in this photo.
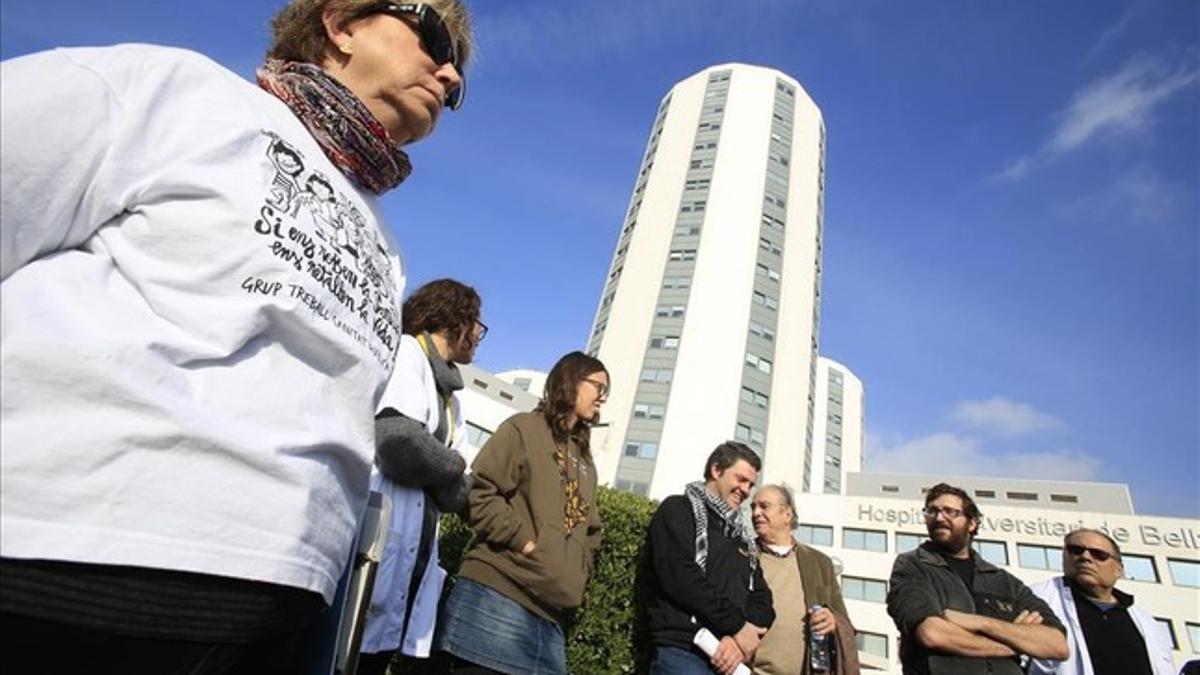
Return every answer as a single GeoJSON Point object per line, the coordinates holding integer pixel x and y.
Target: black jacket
{"type": "Point", "coordinates": [722, 599]}
{"type": "Point", "coordinates": [923, 585]}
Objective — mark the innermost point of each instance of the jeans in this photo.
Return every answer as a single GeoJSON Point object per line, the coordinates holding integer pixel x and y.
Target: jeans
{"type": "Point", "coordinates": [484, 627]}
{"type": "Point", "coordinates": [676, 661]}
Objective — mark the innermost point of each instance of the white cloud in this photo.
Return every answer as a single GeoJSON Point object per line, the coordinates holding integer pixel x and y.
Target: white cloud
{"type": "Point", "coordinates": [1119, 104]}
{"type": "Point", "coordinates": [958, 455]}
{"type": "Point", "coordinates": [1139, 195]}
{"type": "Point", "coordinates": [1001, 416]}
{"type": "Point", "coordinates": [1017, 170]}
{"type": "Point", "coordinates": [1114, 31]}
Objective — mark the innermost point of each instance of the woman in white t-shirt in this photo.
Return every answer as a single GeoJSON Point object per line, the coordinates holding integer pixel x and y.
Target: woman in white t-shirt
{"type": "Point", "coordinates": [190, 366]}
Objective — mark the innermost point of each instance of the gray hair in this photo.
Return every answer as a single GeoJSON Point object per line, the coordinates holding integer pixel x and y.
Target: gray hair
{"type": "Point", "coordinates": [789, 500]}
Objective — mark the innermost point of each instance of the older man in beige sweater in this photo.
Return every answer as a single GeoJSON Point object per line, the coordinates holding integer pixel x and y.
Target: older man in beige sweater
{"type": "Point", "coordinates": [799, 577]}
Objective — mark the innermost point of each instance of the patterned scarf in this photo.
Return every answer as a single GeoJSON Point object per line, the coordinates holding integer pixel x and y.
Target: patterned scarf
{"type": "Point", "coordinates": [348, 133]}
{"type": "Point", "coordinates": [731, 519]}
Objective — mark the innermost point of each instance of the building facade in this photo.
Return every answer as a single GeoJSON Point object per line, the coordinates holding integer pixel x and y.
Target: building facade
{"type": "Point", "coordinates": [708, 321]}
{"type": "Point", "coordinates": [839, 425]}
{"type": "Point", "coordinates": [487, 400]}
{"type": "Point", "coordinates": [878, 517]}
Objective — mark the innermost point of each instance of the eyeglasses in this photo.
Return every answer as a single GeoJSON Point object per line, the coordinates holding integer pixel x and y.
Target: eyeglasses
{"type": "Point", "coordinates": [435, 38]}
{"type": "Point", "coordinates": [1098, 554]}
{"type": "Point", "coordinates": [764, 505]}
{"type": "Point", "coordinates": [932, 512]}
{"type": "Point", "coordinates": [601, 387]}
{"type": "Point", "coordinates": [483, 330]}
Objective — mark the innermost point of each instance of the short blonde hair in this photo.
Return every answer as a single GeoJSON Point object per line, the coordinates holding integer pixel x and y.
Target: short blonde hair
{"type": "Point", "coordinates": [299, 32]}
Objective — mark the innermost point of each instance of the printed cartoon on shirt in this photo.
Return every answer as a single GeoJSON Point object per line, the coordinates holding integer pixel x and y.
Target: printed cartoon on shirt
{"type": "Point", "coordinates": [323, 233]}
{"type": "Point", "coordinates": [285, 189]}
{"type": "Point", "coordinates": [320, 203]}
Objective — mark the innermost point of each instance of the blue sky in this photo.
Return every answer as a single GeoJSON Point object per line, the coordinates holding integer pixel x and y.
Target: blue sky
{"type": "Point", "coordinates": [1012, 253]}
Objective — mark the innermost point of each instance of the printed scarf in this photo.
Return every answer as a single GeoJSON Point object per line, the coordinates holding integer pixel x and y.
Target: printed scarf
{"type": "Point", "coordinates": [731, 519]}
{"type": "Point", "coordinates": [348, 133]}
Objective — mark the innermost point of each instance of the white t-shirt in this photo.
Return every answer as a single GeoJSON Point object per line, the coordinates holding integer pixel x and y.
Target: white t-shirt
{"type": "Point", "coordinates": [199, 313]}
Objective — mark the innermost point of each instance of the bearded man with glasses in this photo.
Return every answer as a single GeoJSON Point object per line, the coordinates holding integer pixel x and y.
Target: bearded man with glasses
{"type": "Point", "coordinates": [1107, 633]}
{"type": "Point", "coordinates": [957, 613]}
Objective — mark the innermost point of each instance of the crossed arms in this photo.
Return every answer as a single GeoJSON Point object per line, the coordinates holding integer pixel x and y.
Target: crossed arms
{"type": "Point", "coordinates": [913, 603]}
{"type": "Point", "coordinates": [967, 634]}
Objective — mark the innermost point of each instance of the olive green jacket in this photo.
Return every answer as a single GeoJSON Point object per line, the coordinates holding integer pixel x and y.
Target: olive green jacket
{"type": "Point", "coordinates": [517, 496]}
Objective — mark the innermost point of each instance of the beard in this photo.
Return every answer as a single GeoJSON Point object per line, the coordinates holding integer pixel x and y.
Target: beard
{"type": "Point", "coordinates": [950, 539]}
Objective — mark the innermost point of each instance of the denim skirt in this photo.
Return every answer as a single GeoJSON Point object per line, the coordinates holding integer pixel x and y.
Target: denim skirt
{"type": "Point", "coordinates": [486, 628]}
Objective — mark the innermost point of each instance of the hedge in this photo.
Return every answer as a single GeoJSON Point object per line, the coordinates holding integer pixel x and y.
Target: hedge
{"type": "Point", "coordinates": [602, 639]}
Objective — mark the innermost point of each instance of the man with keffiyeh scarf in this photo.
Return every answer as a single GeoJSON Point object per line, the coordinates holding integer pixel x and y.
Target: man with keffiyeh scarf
{"type": "Point", "coordinates": [190, 362]}
{"type": "Point", "coordinates": [703, 570]}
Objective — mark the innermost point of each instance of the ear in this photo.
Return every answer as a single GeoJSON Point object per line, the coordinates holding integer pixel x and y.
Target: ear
{"type": "Point", "coordinates": [339, 31]}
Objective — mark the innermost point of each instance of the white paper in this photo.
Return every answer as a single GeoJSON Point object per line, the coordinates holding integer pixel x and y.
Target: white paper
{"type": "Point", "coordinates": [705, 640]}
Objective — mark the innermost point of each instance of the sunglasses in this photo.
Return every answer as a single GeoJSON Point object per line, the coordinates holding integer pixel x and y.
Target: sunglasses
{"type": "Point", "coordinates": [1098, 554]}
{"type": "Point", "coordinates": [435, 38]}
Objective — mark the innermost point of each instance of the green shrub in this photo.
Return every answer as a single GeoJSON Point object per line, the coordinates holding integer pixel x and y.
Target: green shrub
{"type": "Point", "coordinates": [602, 638]}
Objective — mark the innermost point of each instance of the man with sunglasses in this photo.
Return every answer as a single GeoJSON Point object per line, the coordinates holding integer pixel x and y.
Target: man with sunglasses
{"type": "Point", "coordinates": [1107, 633]}
{"type": "Point", "coordinates": [957, 613]}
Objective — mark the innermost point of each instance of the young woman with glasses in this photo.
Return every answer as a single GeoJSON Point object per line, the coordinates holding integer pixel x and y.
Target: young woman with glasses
{"type": "Point", "coordinates": [537, 528]}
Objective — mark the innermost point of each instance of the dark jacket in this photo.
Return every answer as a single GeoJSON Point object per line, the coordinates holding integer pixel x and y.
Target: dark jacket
{"type": "Point", "coordinates": [821, 587]}
{"type": "Point", "coordinates": [819, 579]}
{"type": "Point", "coordinates": [721, 598]}
{"type": "Point", "coordinates": [516, 497]}
{"type": "Point", "coordinates": [923, 585]}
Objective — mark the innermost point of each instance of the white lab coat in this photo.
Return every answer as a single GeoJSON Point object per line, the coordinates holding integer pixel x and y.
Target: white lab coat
{"type": "Point", "coordinates": [413, 393]}
{"type": "Point", "coordinates": [1058, 595]}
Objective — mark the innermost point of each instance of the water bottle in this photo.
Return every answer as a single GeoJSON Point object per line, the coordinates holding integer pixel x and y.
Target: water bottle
{"type": "Point", "coordinates": [819, 657]}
